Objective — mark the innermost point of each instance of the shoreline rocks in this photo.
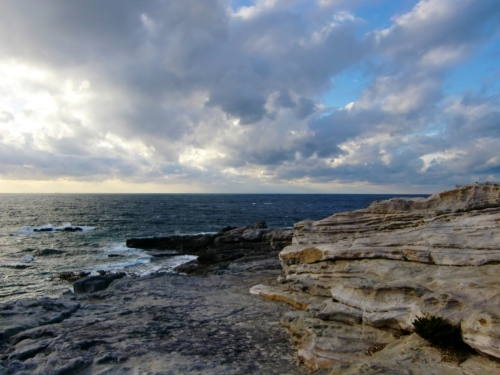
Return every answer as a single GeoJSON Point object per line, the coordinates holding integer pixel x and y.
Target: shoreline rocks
{"type": "Point", "coordinates": [357, 281]}
{"type": "Point", "coordinates": [217, 251]}
{"type": "Point", "coordinates": [168, 324]}
{"type": "Point", "coordinates": [361, 278]}
{"type": "Point", "coordinates": [65, 229]}
{"type": "Point", "coordinates": [92, 284]}
{"type": "Point", "coordinates": [158, 323]}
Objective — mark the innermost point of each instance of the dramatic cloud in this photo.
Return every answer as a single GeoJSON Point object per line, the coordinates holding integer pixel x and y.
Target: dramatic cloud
{"type": "Point", "coordinates": [227, 95]}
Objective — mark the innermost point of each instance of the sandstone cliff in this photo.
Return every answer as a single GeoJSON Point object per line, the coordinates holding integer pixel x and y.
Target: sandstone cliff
{"type": "Point", "coordinates": [359, 279]}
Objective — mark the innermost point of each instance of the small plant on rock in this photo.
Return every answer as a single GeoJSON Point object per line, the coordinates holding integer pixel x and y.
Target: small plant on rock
{"type": "Point", "coordinates": [439, 332]}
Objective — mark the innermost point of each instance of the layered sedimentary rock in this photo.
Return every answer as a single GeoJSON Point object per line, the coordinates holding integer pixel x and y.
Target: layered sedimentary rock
{"type": "Point", "coordinates": [361, 278]}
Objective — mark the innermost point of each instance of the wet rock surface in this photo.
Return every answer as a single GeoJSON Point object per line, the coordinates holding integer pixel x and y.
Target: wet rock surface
{"type": "Point", "coordinates": [163, 324]}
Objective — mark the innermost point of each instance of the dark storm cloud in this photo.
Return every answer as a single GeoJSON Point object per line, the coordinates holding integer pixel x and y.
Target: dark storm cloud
{"type": "Point", "coordinates": [238, 97]}
{"type": "Point", "coordinates": [305, 107]}
{"type": "Point", "coordinates": [285, 101]}
{"type": "Point", "coordinates": [69, 32]}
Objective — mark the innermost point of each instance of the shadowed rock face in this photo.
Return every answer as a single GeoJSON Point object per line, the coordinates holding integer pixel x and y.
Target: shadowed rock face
{"type": "Point", "coordinates": [217, 251]}
{"type": "Point", "coordinates": [362, 277]}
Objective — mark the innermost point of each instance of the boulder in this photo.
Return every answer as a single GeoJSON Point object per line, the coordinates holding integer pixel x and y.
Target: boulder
{"type": "Point", "coordinates": [91, 284]}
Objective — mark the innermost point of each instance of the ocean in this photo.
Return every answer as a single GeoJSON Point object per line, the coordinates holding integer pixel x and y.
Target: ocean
{"type": "Point", "coordinates": [42, 235]}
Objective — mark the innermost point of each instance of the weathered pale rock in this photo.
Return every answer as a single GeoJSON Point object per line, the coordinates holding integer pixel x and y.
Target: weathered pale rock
{"type": "Point", "coordinates": [413, 355]}
{"type": "Point", "coordinates": [383, 266]}
{"type": "Point", "coordinates": [300, 301]}
{"type": "Point", "coordinates": [324, 344]}
{"type": "Point", "coordinates": [481, 328]}
{"type": "Point", "coordinates": [335, 311]}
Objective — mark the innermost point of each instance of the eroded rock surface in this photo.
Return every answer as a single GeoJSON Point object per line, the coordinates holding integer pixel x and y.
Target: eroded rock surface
{"type": "Point", "coordinates": [362, 277]}
{"type": "Point", "coordinates": [168, 324]}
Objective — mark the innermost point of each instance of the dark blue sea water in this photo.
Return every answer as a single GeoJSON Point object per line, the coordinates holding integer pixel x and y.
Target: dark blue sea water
{"type": "Point", "coordinates": [30, 260]}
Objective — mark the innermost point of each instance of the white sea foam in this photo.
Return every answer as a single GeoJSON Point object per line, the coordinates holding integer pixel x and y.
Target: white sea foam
{"type": "Point", "coordinates": [166, 265]}
{"type": "Point", "coordinates": [137, 261]}
{"type": "Point", "coordinates": [120, 265]}
{"type": "Point", "coordinates": [121, 248]}
{"type": "Point", "coordinates": [179, 233]}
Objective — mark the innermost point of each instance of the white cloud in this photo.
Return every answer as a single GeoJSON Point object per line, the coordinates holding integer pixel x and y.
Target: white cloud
{"type": "Point", "coordinates": [197, 92]}
{"type": "Point", "coordinates": [443, 56]}
{"type": "Point", "coordinates": [148, 23]}
{"type": "Point", "coordinates": [199, 158]}
{"type": "Point", "coordinates": [438, 157]}
{"type": "Point", "coordinates": [343, 16]}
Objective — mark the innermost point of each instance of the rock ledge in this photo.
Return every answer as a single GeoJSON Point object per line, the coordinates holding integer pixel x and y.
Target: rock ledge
{"type": "Point", "coordinates": [361, 278]}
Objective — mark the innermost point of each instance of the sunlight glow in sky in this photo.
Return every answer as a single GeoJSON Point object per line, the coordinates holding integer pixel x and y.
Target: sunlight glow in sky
{"type": "Point", "coordinates": [253, 96]}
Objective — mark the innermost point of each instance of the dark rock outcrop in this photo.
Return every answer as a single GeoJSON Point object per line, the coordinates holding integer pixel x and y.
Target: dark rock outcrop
{"type": "Point", "coordinates": [43, 230]}
{"type": "Point", "coordinates": [70, 229]}
{"type": "Point", "coordinates": [183, 244]}
{"type": "Point", "coordinates": [65, 229]}
{"type": "Point", "coordinates": [92, 284]}
{"type": "Point", "coordinates": [216, 251]}
{"type": "Point", "coordinates": [72, 276]}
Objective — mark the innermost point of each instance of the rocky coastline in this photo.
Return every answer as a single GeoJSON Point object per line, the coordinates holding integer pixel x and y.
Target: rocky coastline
{"type": "Point", "coordinates": [358, 281]}
{"type": "Point", "coordinates": [352, 286]}
{"type": "Point", "coordinates": [202, 323]}
{"type": "Point", "coordinates": [216, 252]}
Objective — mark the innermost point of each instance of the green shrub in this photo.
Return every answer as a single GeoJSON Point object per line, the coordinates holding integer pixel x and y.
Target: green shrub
{"type": "Point", "coordinates": [439, 332]}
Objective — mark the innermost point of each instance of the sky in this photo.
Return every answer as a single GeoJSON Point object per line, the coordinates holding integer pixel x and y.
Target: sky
{"type": "Point", "coordinates": [253, 96]}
